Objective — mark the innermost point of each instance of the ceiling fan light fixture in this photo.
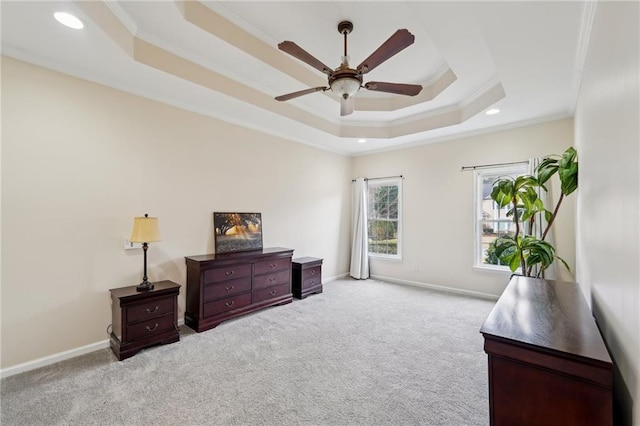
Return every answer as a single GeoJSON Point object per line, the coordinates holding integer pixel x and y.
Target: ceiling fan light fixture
{"type": "Point", "coordinates": [345, 87]}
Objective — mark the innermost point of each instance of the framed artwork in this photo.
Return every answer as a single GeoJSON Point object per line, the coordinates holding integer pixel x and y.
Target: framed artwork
{"type": "Point", "coordinates": [237, 232]}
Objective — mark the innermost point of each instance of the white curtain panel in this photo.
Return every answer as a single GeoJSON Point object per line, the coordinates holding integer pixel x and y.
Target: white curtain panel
{"type": "Point", "coordinates": [359, 253]}
{"type": "Point", "coordinates": [540, 222]}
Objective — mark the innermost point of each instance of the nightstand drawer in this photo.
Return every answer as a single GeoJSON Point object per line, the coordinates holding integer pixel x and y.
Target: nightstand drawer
{"type": "Point", "coordinates": [150, 309]}
{"type": "Point", "coordinates": [311, 272]}
{"type": "Point", "coordinates": [228, 273]}
{"type": "Point", "coordinates": [226, 288]}
{"type": "Point", "coordinates": [270, 280]}
{"type": "Point", "coordinates": [271, 292]}
{"type": "Point", "coordinates": [311, 282]}
{"type": "Point", "coordinates": [223, 305]}
{"type": "Point", "coordinates": [150, 327]}
{"type": "Point", "coordinates": [271, 265]}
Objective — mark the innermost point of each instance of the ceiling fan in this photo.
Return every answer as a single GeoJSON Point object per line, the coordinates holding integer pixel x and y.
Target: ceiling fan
{"type": "Point", "coordinates": [346, 81]}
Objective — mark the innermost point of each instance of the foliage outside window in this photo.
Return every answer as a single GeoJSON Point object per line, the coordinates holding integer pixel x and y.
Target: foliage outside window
{"type": "Point", "coordinates": [384, 213]}
{"type": "Point", "coordinates": [491, 220]}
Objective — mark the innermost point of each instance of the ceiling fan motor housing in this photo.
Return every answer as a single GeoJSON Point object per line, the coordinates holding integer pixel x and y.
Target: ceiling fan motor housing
{"type": "Point", "coordinates": [345, 27]}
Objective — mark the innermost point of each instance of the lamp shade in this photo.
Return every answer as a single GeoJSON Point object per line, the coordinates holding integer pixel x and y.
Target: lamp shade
{"type": "Point", "coordinates": [145, 230]}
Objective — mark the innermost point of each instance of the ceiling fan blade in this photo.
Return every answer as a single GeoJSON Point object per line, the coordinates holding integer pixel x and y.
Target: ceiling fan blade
{"type": "Point", "coordinates": [397, 42]}
{"type": "Point", "coordinates": [346, 106]}
{"type": "Point", "coordinates": [300, 93]}
{"type": "Point", "coordinates": [298, 52]}
{"type": "Point", "coordinates": [400, 89]}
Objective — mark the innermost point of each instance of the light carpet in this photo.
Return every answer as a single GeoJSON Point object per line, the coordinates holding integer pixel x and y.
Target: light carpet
{"type": "Point", "coordinates": [361, 353]}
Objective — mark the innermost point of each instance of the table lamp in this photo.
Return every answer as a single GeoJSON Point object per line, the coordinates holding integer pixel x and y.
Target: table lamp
{"type": "Point", "coordinates": [145, 230]}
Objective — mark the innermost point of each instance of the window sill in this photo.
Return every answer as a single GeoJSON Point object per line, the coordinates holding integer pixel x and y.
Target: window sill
{"type": "Point", "coordinates": [385, 257]}
{"type": "Point", "coordinates": [495, 269]}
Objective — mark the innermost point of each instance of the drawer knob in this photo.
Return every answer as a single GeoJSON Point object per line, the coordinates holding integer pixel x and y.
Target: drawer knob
{"type": "Point", "coordinates": [272, 279]}
{"type": "Point", "coordinates": [229, 288]}
{"type": "Point", "coordinates": [229, 304]}
{"type": "Point", "coordinates": [152, 329]}
{"type": "Point", "coordinates": [272, 265]}
{"type": "Point", "coordinates": [313, 271]}
{"type": "Point", "coordinates": [229, 273]}
{"type": "Point", "coordinates": [273, 292]}
{"type": "Point", "coordinates": [149, 311]}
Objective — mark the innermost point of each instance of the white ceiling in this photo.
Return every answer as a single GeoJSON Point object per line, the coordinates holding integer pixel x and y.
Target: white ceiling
{"type": "Point", "coordinates": [221, 59]}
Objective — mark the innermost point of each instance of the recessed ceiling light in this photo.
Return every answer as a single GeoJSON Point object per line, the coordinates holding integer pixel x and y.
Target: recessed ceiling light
{"type": "Point", "coordinates": [362, 140]}
{"type": "Point", "coordinates": [492, 111]}
{"type": "Point", "coordinates": [69, 20]}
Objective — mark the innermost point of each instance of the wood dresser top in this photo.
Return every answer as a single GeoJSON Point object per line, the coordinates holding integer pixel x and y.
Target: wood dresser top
{"type": "Point", "coordinates": [552, 315]}
{"type": "Point", "coordinates": [239, 255]}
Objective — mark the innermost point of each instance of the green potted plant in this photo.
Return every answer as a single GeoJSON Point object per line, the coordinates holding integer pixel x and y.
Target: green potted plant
{"type": "Point", "coordinates": [523, 250]}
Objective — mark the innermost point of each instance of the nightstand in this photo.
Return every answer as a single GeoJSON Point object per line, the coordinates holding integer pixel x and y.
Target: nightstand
{"type": "Point", "coordinates": [307, 276]}
{"type": "Point", "coordinates": [143, 318]}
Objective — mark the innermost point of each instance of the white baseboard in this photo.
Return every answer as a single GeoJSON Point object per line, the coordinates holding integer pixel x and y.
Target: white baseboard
{"type": "Point", "coordinates": [60, 356]}
{"type": "Point", "coordinates": [52, 359]}
{"type": "Point", "coordinates": [438, 287]}
{"type": "Point", "coordinates": [334, 278]}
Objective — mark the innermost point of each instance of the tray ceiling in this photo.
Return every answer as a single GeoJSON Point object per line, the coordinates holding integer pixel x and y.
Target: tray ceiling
{"type": "Point", "coordinates": [221, 59]}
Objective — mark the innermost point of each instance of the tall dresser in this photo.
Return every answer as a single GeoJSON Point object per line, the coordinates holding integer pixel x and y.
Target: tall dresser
{"type": "Point", "coordinates": [548, 364]}
{"type": "Point", "coordinates": [224, 286]}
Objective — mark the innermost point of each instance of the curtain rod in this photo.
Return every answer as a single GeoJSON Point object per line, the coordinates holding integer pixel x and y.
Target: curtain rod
{"type": "Point", "coordinates": [378, 178]}
{"type": "Point", "coordinates": [465, 168]}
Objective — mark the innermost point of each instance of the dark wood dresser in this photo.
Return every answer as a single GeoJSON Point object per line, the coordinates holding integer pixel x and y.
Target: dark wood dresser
{"type": "Point", "coordinates": [307, 276]}
{"type": "Point", "coordinates": [224, 286]}
{"type": "Point", "coordinates": [143, 318]}
{"type": "Point", "coordinates": [548, 364]}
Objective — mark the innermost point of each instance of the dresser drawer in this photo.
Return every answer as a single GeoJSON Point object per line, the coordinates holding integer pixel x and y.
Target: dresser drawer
{"type": "Point", "coordinates": [272, 265]}
{"type": "Point", "coordinates": [270, 280]}
{"type": "Point", "coordinates": [150, 309]}
{"type": "Point", "coordinates": [226, 288]}
{"type": "Point", "coordinates": [271, 292]}
{"type": "Point", "coordinates": [227, 273]}
{"type": "Point", "coordinates": [311, 282]}
{"type": "Point", "coordinates": [227, 304]}
{"type": "Point", "coordinates": [150, 327]}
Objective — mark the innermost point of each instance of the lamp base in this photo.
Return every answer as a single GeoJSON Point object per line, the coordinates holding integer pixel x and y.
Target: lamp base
{"type": "Point", "coordinates": [145, 286]}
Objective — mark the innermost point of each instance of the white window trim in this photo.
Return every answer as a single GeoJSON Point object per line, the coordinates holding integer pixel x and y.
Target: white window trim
{"type": "Point", "coordinates": [477, 214]}
{"type": "Point", "coordinates": [394, 181]}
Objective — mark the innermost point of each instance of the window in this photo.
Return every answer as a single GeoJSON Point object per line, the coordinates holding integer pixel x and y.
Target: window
{"type": "Point", "coordinates": [384, 217]}
{"type": "Point", "coordinates": [491, 222]}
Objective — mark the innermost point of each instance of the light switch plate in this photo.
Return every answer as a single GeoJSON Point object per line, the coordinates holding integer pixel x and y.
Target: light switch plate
{"type": "Point", "coordinates": [128, 245]}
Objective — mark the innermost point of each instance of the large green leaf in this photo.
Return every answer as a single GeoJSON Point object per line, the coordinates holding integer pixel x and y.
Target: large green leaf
{"type": "Point", "coordinates": [514, 262]}
{"type": "Point", "coordinates": [502, 191]}
{"type": "Point", "coordinates": [568, 178]}
{"type": "Point", "coordinates": [567, 168]}
{"type": "Point", "coordinates": [547, 168]}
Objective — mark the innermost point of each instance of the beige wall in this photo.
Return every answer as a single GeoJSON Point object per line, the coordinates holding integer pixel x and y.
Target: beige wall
{"type": "Point", "coordinates": [608, 208]}
{"type": "Point", "coordinates": [438, 204]}
{"type": "Point", "coordinates": [80, 160]}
